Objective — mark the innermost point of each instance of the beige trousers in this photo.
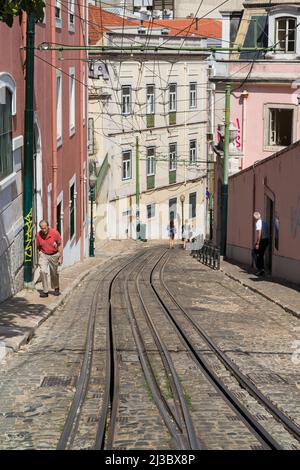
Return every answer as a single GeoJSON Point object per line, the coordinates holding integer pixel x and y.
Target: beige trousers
{"type": "Point", "coordinates": [50, 261]}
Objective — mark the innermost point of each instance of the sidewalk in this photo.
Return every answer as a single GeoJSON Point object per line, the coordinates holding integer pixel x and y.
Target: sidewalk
{"type": "Point", "coordinates": [21, 315]}
{"type": "Point", "coordinates": [284, 294]}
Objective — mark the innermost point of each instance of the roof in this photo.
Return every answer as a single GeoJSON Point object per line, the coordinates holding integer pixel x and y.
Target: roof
{"type": "Point", "coordinates": [101, 21]}
{"type": "Point", "coordinates": [204, 27]}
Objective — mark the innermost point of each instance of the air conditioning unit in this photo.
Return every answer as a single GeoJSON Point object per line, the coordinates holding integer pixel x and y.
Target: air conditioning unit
{"type": "Point", "coordinates": [98, 69]}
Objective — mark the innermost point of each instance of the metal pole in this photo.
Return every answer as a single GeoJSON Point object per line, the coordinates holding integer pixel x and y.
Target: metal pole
{"type": "Point", "coordinates": [225, 171]}
{"type": "Point", "coordinates": [28, 151]}
{"type": "Point", "coordinates": [137, 187]}
{"type": "Point", "coordinates": [92, 238]}
{"type": "Point", "coordinates": [182, 220]}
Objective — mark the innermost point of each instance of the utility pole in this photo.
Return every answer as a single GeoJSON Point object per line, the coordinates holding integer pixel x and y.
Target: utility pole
{"type": "Point", "coordinates": [225, 171]}
{"type": "Point", "coordinates": [137, 187]}
{"type": "Point", "coordinates": [28, 151]}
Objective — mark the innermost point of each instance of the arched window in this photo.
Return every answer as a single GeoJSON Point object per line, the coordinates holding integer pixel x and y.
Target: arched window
{"type": "Point", "coordinates": [6, 154]}
{"type": "Point", "coordinates": [286, 34]}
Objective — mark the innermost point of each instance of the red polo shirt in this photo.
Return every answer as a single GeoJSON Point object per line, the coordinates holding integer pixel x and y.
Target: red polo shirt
{"type": "Point", "coordinates": [49, 243]}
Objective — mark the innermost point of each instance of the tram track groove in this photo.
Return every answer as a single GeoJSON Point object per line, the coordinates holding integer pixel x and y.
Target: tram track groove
{"type": "Point", "coordinates": [235, 371]}
{"type": "Point", "coordinates": [251, 422]}
{"type": "Point", "coordinates": [71, 423]}
{"type": "Point", "coordinates": [171, 420]}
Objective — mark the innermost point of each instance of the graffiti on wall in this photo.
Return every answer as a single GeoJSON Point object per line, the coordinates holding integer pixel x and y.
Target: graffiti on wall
{"type": "Point", "coordinates": [237, 141]}
{"type": "Point", "coordinates": [28, 228]}
{"type": "Point", "coordinates": [295, 218]}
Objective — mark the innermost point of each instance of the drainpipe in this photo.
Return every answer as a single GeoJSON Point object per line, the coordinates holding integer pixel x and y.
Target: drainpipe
{"type": "Point", "coordinates": [53, 116]}
{"type": "Point", "coordinates": [28, 151]}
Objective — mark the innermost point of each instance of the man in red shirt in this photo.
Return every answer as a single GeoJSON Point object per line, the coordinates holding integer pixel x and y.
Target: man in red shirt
{"type": "Point", "coordinates": [48, 242]}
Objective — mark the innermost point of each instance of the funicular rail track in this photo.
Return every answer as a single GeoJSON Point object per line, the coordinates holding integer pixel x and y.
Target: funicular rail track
{"type": "Point", "coordinates": [71, 424]}
{"type": "Point", "coordinates": [175, 414]}
{"type": "Point", "coordinates": [177, 420]}
{"type": "Point", "coordinates": [265, 438]}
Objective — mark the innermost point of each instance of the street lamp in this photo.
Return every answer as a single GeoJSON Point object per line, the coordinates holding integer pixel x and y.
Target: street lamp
{"type": "Point", "coordinates": [182, 199]}
{"type": "Point", "coordinates": [92, 184]}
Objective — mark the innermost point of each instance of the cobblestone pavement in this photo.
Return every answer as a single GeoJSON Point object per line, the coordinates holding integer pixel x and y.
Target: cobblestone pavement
{"type": "Point", "coordinates": [37, 383]}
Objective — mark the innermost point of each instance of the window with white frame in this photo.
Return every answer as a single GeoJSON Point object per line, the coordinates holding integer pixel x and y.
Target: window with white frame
{"type": "Point", "coordinates": [280, 126]}
{"type": "Point", "coordinates": [58, 13]}
{"type": "Point", "coordinates": [126, 100]}
{"type": "Point", "coordinates": [126, 165]}
{"type": "Point", "coordinates": [150, 99]}
{"type": "Point", "coordinates": [6, 153]}
{"type": "Point", "coordinates": [192, 205]}
{"type": "Point", "coordinates": [193, 151]}
{"type": "Point", "coordinates": [150, 161]}
{"type": "Point", "coordinates": [150, 211]}
{"type": "Point", "coordinates": [172, 156]}
{"type": "Point", "coordinates": [72, 220]}
{"type": "Point", "coordinates": [91, 149]}
{"type": "Point", "coordinates": [72, 100]}
{"type": "Point", "coordinates": [58, 107]}
{"type": "Point", "coordinates": [172, 97]}
{"type": "Point", "coordinates": [286, 34]}
{"type": "Point", "coordinates": [72, 15]}
{"type": "Point", "coordinates": [193, 95]}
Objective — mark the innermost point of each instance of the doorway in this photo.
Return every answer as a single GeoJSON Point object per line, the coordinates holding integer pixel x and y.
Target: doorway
{"type": "Point", "coordinates": [269, 205]}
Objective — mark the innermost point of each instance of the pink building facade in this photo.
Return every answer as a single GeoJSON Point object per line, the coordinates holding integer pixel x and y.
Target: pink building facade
{"type": "Point", "coordinates": [60, 135]}
{"type": "Point", "coordinates": [272, 187]}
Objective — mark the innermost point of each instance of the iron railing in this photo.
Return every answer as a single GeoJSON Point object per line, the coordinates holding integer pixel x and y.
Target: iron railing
{"type": "Point", "coordinates": [208, 255]}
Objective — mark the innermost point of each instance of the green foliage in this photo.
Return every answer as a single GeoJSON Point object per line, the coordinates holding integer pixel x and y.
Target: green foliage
{"type": "Point", "coordinates": [11, 8]}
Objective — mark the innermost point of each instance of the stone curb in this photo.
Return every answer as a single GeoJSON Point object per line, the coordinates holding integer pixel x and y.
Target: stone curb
{"type": "Point", "coordinates": [48, 310]}
{"type": "Point", "coordinates": [257, 291]}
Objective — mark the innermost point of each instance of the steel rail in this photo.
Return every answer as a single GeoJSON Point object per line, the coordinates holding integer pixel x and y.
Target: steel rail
{"type": "Point", "coordinates": [164, 408]}
{"type": "Point", "coordinates": [190, 431]}
{"type": "Point", "coordinates": [255, 427]}
{"type": "Point", "coordinates": [238, 374]}
{"type": "Point", "coordinates": [110, 400]}
{"type": "Point", "coordinates": [71, 424]}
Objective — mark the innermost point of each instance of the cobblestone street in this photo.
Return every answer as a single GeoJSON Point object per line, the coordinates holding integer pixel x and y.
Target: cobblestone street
{"type": "Point", "coordinates": [38, 382]}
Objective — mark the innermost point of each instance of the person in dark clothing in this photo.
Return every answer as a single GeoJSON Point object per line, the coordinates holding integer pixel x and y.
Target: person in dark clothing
{"type": "Point", "coordinates": [171, 231]}
{"type": "Point", "coordinates": [261, 243]}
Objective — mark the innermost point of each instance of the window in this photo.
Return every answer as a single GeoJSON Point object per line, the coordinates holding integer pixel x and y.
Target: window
{"type": "Point", "coordinates": [150, 211]}
{"type": "Point", "coordinates": [6, 154]}
{"type": "Point", "coordinates": [126, 100]}
{"type": "Point", "coordinates": [72, 210]}
{"type": "Point", "coordinates": [172, 97]}
{"type": "Point", "coordinates": [58, 217]}
{"type": "Point", "coordinates": [280, 126]}
{"type": "Point", "coordinates": [172, 156]}
{"type": "Point", "coordinates": [91, 136]}
{"type": "Point", "coordinates": [192, 205]}
{"type": "Point", "coordinates": [286, 34]}
{"type": "Point", "coordinates": [150, 161]}
{"type": "Point", "coordinates": [58, 108]}
{"type": "Point", "coordinates": [173, 208]}
{"type": "Point", "coordinates": [193, 95]}
{"type": "Point", "coordinates": [71, 15]}
{"type": "Point", "coordinates": [58, 13]}
{"type": "Point", "coordinates": [150, 99]}
{"type": "Point", "coordinates": [72, 100]}
{"type": "Point", "coordinates": [126, 165]}
{"type": "Point", "coordinates": [193, 151]}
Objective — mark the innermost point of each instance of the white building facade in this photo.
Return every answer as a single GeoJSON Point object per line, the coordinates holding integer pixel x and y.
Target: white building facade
{"type": "Point", "coordinates": [148, 136]}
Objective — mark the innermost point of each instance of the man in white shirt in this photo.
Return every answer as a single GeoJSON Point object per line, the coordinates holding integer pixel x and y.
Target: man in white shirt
{"type": "Point", "coordinates": [261, 243]}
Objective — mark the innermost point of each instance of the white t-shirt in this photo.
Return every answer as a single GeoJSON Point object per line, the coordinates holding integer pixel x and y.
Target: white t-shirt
{"type": "Point", "coordinates": [261, 225]}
